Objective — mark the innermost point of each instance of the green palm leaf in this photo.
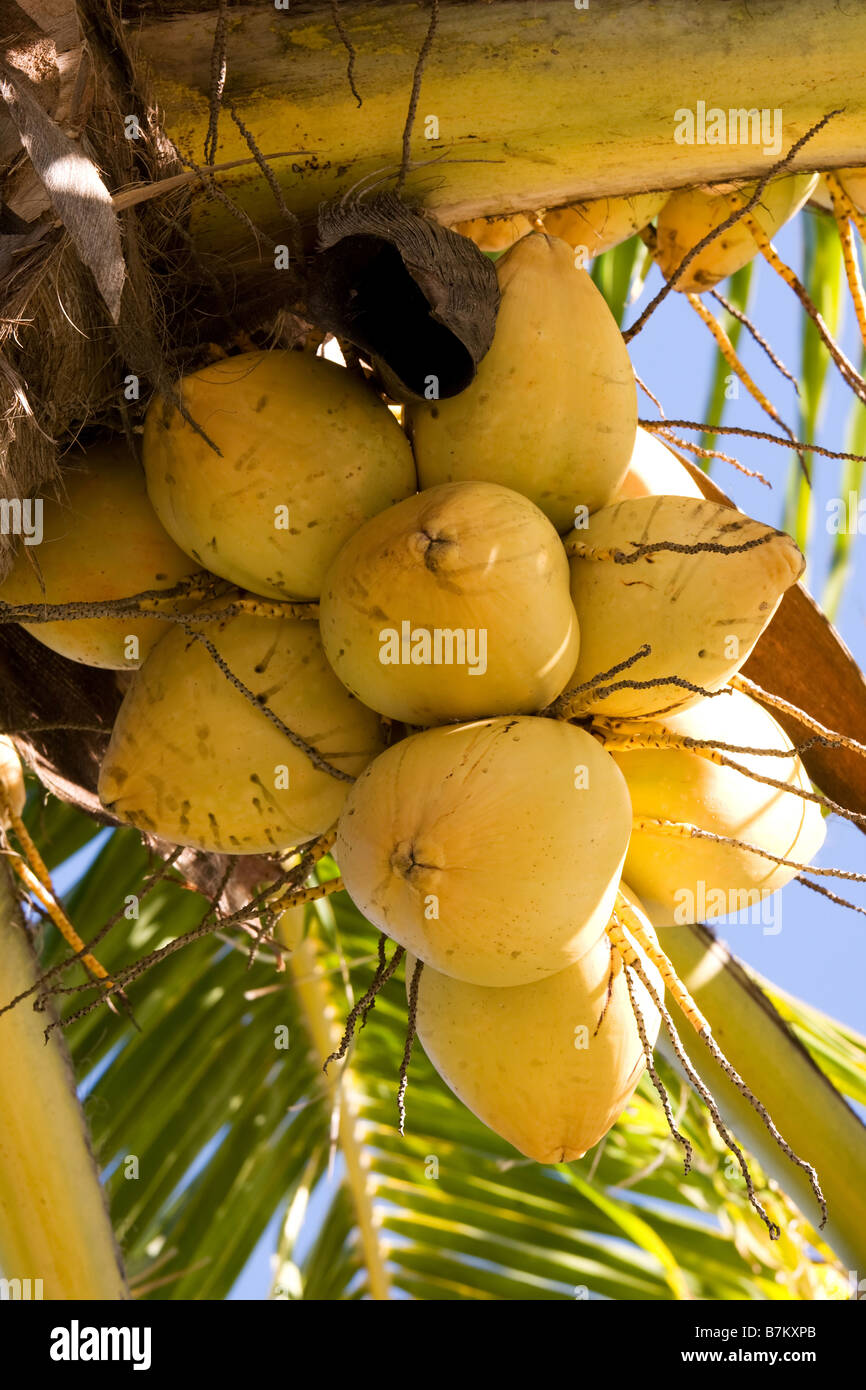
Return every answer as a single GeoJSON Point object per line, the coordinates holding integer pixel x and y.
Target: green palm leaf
{"type": "Point", "coordinates": [206, 1131]}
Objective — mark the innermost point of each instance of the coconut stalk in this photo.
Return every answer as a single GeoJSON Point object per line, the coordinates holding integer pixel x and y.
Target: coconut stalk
{"type": "Point", "coordinates": [324, 1037]}
{"type": "Point", "coordinates": [54, 1224]}
{"type": "Point", "coordinates": [809, 1112]}
{"type": "Point", "coordinates": [522, 106]}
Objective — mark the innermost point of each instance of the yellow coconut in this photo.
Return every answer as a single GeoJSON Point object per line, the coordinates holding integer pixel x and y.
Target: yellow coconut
{"type": "Point", "coordinates": [854, 183]}
{"type": "Point", "coordinates": [552, 412]}
{"type": "Point", "coordinates": [13, 793]}
{"type": "Point", "coordinates": [701, 613]}
{"type": "Point", "coordinates": [452, 605]}
{"type": "Point", "coordinates": [690, 213]}
{"type": "Point", "coordinates": [655, 471]}
{"type": "Point", "coordinates": [534, 1062]}
{"type": "Point", "coordinates": [491, 850]}
{"type": "Point", "coordinates": [495, 233]}
{"type": "Point", "coordinates": [597, 224]}
{"type": "Point", "coordinates": [686, 879]}
{"type": "Point", "coordinates": [307, 453]}
{"type": "Point", "coordinates": [191, 759]}
{"type": "Point", "coordinates": [100, 540]}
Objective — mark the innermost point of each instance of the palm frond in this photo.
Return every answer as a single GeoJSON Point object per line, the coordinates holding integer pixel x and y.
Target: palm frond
{"type": "Point", "coordinates": [207, 1128]}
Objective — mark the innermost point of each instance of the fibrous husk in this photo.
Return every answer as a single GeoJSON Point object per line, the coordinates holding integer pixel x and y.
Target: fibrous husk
{"type": "Point", "coordinates": [63, 361]}
{"type": "Point", "coordinates": [417, 299]}
{"type": "Point", "coordinates": [60, 714]}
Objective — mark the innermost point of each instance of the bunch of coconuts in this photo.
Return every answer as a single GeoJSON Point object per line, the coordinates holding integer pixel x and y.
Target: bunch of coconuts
{"type": "Point", "coordinates": [497, 658]}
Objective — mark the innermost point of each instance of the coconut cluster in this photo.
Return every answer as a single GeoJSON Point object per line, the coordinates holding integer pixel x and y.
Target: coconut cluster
{"type": "Point", "coordinates": [493, 648]}
{"type": "Point", "coordinates": [682, 220]}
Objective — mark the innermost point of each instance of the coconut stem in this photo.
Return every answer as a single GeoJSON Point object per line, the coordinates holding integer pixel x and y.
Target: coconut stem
{"type": "Point", "coordinates": [582, 551]}
{"type": "Point", "coordinates": [625, 917]}
{"type": "Point", "coordinates": [315, 757]}
{"type": "Point", "coordinates": [703, 453]}
{"type": "Point", "coordinates": [704, 427]}
{"type": "Point", "coordinates": [846, 368]}
{"type": "Point", "coordinates": [656, 1080]}
{"type": "Point", "coordinates": [32, 871]}
{"type": "Point", "coordinates": [616, 732]}
{"type": "Point", "coordinates": [705, 1094]}
{"type": "Point", "coordinates": [149, 603]}
{"type": "Point", "coordinates": [362, 1007]}
{"type": "Point", "coordinates": [615, 970]}
{"type": "Point", "coordinates": [411, 1030]}
{"type": "Point", "coordinates": [743, 318]}
{"type": "Point", "coordinates": [709, 749]}
{"type": "Point", "coordinates": [729, 352]}
{"type": "Point", "coordinates": [572, 703]}
{"type": "Point", "coordinates": [735, 216]}
{"type": "Point", "coordinates": [749, 687]}
{"type": "Point", "coordinates": [702, 1028]}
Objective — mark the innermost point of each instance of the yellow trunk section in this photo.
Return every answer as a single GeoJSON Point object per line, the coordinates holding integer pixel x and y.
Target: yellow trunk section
{"type": "Point", "coordinates": [53, 1220]}
{"type": "Point", "coordinates": [530, 105]}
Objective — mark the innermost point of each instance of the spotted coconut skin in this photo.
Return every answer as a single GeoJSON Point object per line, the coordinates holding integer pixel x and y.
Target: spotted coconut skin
{"type": "Point", "coordinates": [307, 453]}
{"type": "Point", "coordinates": [101, 540]}
{"type": "Point", "coordinates": [193, 761]}
{"type": "Point", "coordinates": [491, 849]}
{"type": "Point", "coordinates": [549, 1066]}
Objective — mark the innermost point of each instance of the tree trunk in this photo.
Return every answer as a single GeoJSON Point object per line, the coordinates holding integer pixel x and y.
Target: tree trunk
{"type": "Point", "coordinates": [54, 1226]}
{"type": "Point", "coordinates": [534, 104]}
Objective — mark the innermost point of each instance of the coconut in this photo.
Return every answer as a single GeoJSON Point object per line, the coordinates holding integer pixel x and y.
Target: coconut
{"type": "Point", "coordinates": [699, 611]}
{"type": "Point", "coordinates": [553, 410]}
{"type": "Point", "coordinates": [102, 540]}
{"type": "Point", "coordinates": [686, 879]}
{"type": "Point", "coordinates": [192, 760]}
{"type": "Point", "coordinates": [538, 1063]}
{"type": "Point", "coordinates": [854, 183]}
{"type": "Point", "coordinates": [654, 471]}
{"type": "Point", "coordinates": [597, 224]}
{"type": "Point", "coordinates": [308, 452]}
{"type": "Point", "coordinates": [451, 605]}
{"type": "Point", "coordinates": [491, 850]}
{"type": "Point", "coordinates": [495, 233]}
{"type": "Point", "coordinates": [691, 213]}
